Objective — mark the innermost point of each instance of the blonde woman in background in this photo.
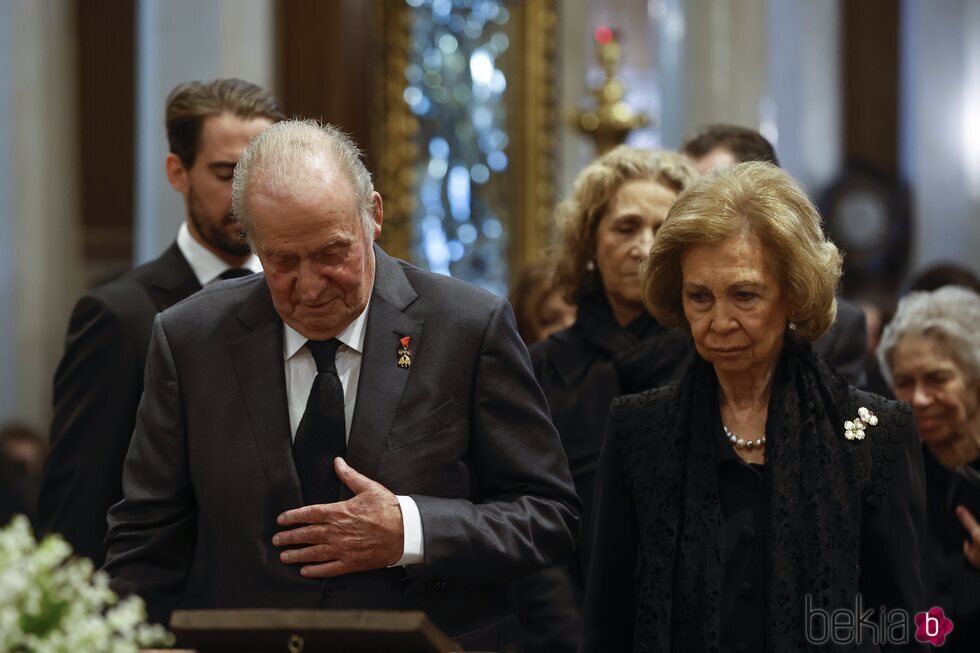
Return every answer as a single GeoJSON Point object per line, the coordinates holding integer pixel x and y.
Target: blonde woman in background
{"type": "Point", "coordinates": [604, 231]}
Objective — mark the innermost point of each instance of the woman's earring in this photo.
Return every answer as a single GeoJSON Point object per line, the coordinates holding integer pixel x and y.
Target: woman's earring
{"type": "Point", "coordinates": [590, 266]}
{"type": "Point", "coordinates": [792, 326]}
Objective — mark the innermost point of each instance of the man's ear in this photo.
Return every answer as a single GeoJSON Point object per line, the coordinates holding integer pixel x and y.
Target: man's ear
{"type": "Point", "coordinates": [177, 173]}
{"type": "Point", "coordinates": [378, 215]}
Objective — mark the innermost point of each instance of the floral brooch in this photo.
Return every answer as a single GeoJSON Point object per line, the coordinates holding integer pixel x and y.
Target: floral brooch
{"type": "Point", "coordinates": [854, 430]}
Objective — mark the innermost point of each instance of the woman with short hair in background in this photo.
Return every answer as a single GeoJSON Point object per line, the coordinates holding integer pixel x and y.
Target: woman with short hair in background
{"type": "Point", "coordinates": [930, 353]}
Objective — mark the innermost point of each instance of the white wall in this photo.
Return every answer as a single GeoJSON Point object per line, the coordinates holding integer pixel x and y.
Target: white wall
{"type": "Point", "coordinates": [801, 113]}
{"type": "Point", "coordinates": [726, 47]}
{"type": "Point", "coordinates": [941, 128]}
{"type": "Point", "coordinates": [8, 267]}
{"type": "Point", "coordinates": [38, 200]}
{"type": "Point", "coordinates": [574, 50]}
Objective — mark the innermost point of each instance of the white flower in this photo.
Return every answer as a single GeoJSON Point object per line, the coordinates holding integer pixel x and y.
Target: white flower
{"type": "Point", "coordinates": [55, 603]}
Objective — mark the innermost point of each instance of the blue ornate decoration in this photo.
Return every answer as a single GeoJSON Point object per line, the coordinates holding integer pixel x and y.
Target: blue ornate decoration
{"type": "Point", "coordinates": [455, 89]}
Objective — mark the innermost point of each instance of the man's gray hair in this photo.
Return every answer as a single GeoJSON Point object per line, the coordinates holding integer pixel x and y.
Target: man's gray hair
{"type": "Point", "coordinates": [288, 147]}
{"type": "Point", "coordinates": [949, 315]}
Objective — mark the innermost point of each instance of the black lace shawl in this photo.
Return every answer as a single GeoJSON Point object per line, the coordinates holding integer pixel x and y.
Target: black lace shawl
{"type": "Point", "coordinates": [644, 354]}
{"type": "Point", "coordinates": [818, 483]}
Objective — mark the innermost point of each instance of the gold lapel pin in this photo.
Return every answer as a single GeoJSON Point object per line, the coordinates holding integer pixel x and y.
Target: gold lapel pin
{"type": "Point", "coordinates": [405, 356]}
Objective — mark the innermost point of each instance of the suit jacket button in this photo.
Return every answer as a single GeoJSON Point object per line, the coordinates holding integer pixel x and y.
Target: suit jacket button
{"type": "Point", "coordinates": [747, 590]}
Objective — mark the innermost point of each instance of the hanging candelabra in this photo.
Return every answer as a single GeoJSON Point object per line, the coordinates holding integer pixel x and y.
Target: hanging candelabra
{"type": "Point", "coordinates": [612, 119]}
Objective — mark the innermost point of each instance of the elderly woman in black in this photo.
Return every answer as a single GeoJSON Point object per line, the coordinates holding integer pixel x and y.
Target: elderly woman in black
{"type": "Point", "coordinates": [605, 230]}
{"type": "Point", "coordinates": [930, 352]}
{"type": "Point", "coordinates": [737, 504]}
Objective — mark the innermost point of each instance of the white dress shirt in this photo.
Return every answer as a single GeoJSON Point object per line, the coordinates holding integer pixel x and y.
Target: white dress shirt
{"type": "Point", "coordinates": [205, 265]}
{"type": "Point", "coordinates": [300, 372]}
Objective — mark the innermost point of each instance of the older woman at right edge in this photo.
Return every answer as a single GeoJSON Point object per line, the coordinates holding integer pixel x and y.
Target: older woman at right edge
{"type": "Point", "coordinates": [930, 352]}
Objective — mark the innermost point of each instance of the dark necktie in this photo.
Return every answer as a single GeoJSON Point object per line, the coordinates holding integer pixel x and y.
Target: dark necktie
{"type": "Point", "coordinates": [322, 433]}
{"type": "Point", "coordinates": [234, 273]}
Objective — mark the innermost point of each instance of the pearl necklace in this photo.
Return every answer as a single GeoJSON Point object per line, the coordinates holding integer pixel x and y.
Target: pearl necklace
{"type": "Point", "coordinates": [739, 443]}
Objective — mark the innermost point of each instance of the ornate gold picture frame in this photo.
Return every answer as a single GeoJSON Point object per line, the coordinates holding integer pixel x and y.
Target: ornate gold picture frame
{"type": "Point", "coordinates": [531, 107]}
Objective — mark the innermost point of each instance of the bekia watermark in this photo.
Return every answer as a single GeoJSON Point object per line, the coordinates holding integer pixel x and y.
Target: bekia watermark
{"type": "Point", "coordinates": [932, 626]}
{"type": "Point", "coordinates": [881, 626]}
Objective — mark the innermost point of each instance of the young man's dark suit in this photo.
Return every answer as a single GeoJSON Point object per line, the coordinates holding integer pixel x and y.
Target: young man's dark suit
{"type": "Point", "coordinates": [464, 431]}
{"type": "Point", "coordinates": [97, 389]}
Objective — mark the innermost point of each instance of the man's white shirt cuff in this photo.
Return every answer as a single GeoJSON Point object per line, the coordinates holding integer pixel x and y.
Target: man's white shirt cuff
{"type": "Point", "coordinates": [414, 550]}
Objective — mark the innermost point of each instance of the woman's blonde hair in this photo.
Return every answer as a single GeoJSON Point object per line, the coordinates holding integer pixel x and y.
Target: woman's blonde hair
{"type": "Point", "coordinates": [764, 201]}
{"type": "Point", "coordinates": [578, 217]}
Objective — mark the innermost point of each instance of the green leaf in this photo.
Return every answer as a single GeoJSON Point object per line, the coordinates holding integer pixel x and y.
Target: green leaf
{"type": "Point", "coordinates": [47, 619]}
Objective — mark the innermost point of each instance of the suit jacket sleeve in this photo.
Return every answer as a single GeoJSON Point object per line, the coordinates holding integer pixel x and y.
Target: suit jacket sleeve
{"type": "Point", "coordinates": [526, 514]}
{"type": "Point", "coordinates": [152, 531]}
{"type": "Point", "coordinates": [845, 346]}
{"type": "Point", "coordinates": [96, 390]}
{"type": "Point", "coordinates": [892, 543]}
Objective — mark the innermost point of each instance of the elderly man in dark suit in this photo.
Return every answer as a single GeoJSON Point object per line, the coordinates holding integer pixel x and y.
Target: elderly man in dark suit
{"type": "Point", "coordinates": [99, 381]}
{"type": "Point", "coordinates": [347, 432]}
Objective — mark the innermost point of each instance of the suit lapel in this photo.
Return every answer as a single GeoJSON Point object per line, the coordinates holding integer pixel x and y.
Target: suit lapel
{"type": "Point", "coordinates": [173, 279]}
{"type": "Point", "coordinates": [382, 381]}
{"type": "Point", "coordinates": [259, 366]}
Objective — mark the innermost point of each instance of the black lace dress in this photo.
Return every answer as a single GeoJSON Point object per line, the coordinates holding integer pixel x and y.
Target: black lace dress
{"type": "Point", "coordinates": [697, 551]}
